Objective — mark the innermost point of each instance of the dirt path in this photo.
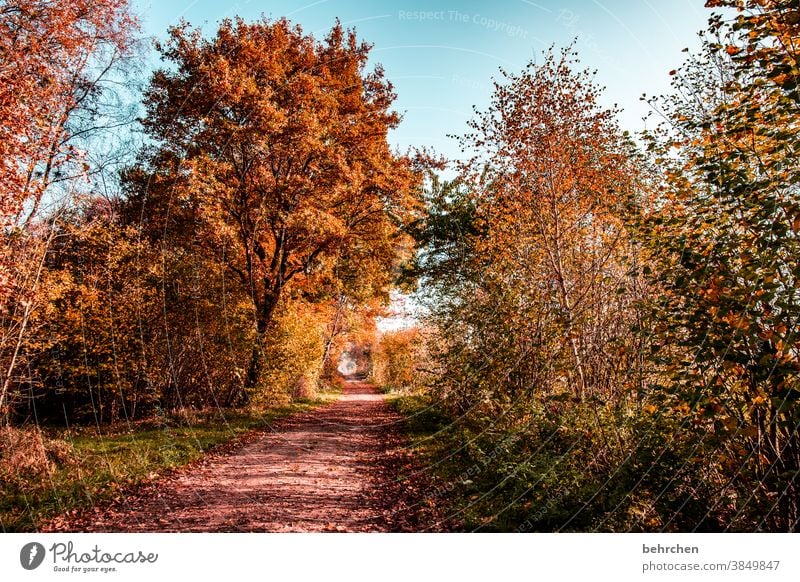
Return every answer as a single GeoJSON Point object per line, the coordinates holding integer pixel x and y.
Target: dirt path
{"type": "Point", "coordinates": [331, 469]}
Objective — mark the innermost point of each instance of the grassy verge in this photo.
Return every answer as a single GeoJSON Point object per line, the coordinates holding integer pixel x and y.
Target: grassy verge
{"type": "Point", "coordinates": [544, 475]}
{"type": "Point", "coordinates": [99, 465]}
{"type": "Point", "coordinates": [435, 443]}
{"type": "Point", "coordinates": [478, 481]}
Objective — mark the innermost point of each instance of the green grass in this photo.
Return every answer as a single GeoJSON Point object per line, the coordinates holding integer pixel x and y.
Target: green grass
{"type": "Point", "coordinates": [422, 420]}
{"type": "Point", "coordinates": [455, 465]}
{"type": "Point", "coordinates": [437, 446]}
{"type": "Point", "coordinates": [489, 476]}
{"type": "Point", "coordinates": [474, 478]}
{"type": "Point", "coordinates": [104, 463]}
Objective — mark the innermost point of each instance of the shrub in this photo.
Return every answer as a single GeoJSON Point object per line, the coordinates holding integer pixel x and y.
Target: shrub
{"type": "Point", "coordinates": [25, 453]}
{"type": "Point", "coordinates": [399, 360]}
{"type": "Point", "coordinates": [293, 357]}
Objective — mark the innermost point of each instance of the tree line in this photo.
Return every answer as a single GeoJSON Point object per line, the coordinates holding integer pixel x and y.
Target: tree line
{"type": "Point", "coordinates": [219, 259]}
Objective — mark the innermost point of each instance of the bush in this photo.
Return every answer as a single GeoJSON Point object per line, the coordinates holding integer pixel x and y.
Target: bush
{"type": "Point", "coordinates": [399, 360]}
{"type": "Point", "coordinates": [25, 453]}
{"type": "Point", "coordinates": [293, 357]}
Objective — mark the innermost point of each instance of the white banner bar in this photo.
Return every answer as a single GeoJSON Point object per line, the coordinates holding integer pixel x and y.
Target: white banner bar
{"type": "Point", "coordinates": [400, 557]}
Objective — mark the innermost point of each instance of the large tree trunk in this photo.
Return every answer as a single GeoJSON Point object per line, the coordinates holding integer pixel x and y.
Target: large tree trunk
{"type": "Point", "coordinates": [256, 359]}
{"type": "Point", "coordinates": [265, 313]}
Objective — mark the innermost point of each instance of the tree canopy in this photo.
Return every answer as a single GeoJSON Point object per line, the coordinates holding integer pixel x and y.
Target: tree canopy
{"type": "Point", "coordinates": [271, 147]}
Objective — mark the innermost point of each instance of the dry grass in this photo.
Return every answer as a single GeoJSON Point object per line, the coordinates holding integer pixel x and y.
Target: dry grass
{"type": "Point", "coordinates": [27, 454]}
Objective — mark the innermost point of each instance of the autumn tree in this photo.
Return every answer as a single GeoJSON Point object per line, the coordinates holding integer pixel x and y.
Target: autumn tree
{"type": "Point", "coordinates": [541, 206]}
{"type": "Point", "coordinates": [55, 60]}
{"type": "Point", "coordinates": [86, 348]}
{"type": "Point", "coordinates": [271, 149]}
{"type": "Point", "coordinates": [529, 270]}
{"type": "Point", "coordinates": [725, 247]}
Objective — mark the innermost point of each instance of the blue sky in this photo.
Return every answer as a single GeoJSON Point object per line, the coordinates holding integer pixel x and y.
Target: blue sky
{"type": "Point", "coordinates": [441, 55]}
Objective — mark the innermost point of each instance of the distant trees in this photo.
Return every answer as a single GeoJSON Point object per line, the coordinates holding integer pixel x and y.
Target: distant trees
{"type": "Point", "coordinates": [400, 360]}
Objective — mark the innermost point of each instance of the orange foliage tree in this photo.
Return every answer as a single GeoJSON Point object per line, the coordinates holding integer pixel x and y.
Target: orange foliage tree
{"type": "Point", "coordinates": [534, 293]}
{"type": "Point", "coordinates": [271, 150]}
{"type": "Point", "coordinates": [53, 56]}
{"type": "Point", "coordinates": [724, 238]}
{"type": "Point", "coordinates": [552, 181]}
